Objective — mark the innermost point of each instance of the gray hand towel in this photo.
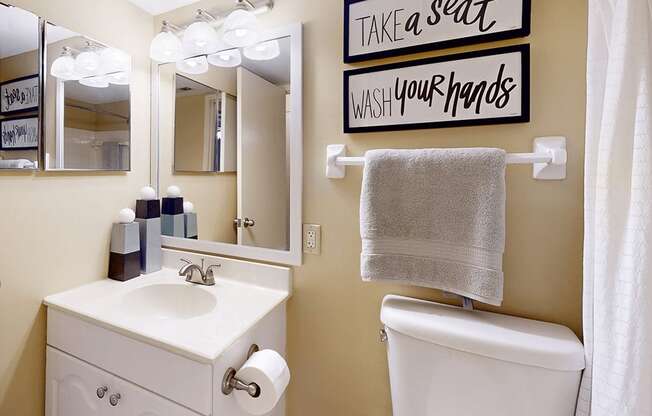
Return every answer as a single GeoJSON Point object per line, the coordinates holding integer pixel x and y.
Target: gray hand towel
{"type": "Point", "coordinates": [435, 218]}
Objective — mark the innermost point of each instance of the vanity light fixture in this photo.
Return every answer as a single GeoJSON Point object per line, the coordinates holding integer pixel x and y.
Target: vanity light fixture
{"type": "Point", "coordinates": [64, 66]}
{"type": "Point", "coordinates": [196, 65]}
{"type": "Point", "coordinates": [200, 41]}
{"type": "Point", "coordinates": [200, 38]}
{"type": "Point", "coordinates": [263, 51]}
{"type": "Point", "coordinates": [226, 59]}
{"type": "Point", "coordinates": [240, 27]}
{"type": "Point", "coordinates": [166, 46]}
{"type": "Point", "coordinates": [88, 62]}
{"type": "Point", "coordinates": [113, 60]}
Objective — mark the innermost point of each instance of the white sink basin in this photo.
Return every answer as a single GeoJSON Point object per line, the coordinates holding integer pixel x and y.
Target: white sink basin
{"type": "Point", "coordinates": [171, 301]}
{"type": "Point", "coordinates": [162, 309]}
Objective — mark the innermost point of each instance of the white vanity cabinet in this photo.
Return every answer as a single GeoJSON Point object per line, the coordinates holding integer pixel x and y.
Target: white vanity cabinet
{"type": "Point", "coordinates": [75, 388]}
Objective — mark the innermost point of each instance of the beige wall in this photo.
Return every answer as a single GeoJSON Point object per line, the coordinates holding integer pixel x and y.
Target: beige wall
{"type": "Point", "coordinates": [338, 365]}
{"type": "Point", "coordinates": [54, 228]}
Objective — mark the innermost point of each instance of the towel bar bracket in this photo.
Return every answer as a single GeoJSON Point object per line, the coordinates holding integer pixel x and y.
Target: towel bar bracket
{"type": "Point", "coordinates": [548, 160]}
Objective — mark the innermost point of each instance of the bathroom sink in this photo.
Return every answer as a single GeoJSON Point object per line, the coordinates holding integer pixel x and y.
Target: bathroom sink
{"type": "Point", "coordinates": [168, 301]}
{"type": "Point", "coordinates": [199, 322]}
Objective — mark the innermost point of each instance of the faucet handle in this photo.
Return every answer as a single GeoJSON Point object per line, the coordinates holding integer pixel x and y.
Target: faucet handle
{"type": "Point", "coordinates": [210, 275]}
{"type": "Point", "coordinates": [185, 261]}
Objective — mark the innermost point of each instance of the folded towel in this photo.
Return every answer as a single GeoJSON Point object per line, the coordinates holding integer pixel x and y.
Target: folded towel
{"type": "Point", "coordinates": [435, 218]}
{"type": "Point", "coordinates": [16, 164]}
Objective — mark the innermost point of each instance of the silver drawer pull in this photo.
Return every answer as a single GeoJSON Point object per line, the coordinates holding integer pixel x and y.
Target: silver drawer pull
{"type": "Point", "coordinates": [114, 399]}
{"type": "Point", "coordinates": [101, 391]}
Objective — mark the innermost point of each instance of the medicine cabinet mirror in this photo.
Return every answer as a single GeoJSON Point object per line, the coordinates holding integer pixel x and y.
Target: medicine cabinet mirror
{"type": "Point", "coordinates": [20, 88]}
{"type": "Point", "coordinates": [230, 137]}
{"type": "Point", "coordinates": [87, 95]}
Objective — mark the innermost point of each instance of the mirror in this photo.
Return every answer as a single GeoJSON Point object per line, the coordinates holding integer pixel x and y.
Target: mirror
{"type": "Point", "coordinates": [20, 130]}
{"type": "Point", "coordinates": [227, 137]}
{"type": "Point", "coordinates": [88, 89]}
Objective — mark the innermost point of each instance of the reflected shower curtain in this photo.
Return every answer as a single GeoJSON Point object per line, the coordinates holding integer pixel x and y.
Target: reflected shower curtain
{"type": "Point", "coordinates": [618, 212]}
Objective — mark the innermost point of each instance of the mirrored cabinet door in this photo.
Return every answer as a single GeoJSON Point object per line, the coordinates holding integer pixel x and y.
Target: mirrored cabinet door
{"type": "Point", "coordinates": [20, 133]}
{"type": "Point", "coordinates": [87, 124]}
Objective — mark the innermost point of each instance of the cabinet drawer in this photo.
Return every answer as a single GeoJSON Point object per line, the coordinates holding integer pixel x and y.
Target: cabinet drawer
{"type": "Point", "coordinates": [180, 379]}
{"type": "Point", "coordinates": [75, 388]}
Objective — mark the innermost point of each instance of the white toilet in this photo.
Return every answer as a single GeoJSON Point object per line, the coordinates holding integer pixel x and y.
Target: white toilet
{"type": "Point", "coordinates": [447, 361]}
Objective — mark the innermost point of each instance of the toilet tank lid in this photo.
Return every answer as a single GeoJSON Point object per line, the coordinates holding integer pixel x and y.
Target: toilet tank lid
{"type": "Point", "coordinates": [502, 337]}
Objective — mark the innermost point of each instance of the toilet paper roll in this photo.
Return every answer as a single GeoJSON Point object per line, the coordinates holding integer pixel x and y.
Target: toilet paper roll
{"type": "Point", "coordinates": [270, 371]}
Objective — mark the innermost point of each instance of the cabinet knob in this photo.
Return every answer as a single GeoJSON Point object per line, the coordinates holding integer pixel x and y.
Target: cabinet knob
{"type": "Point", "coordinates": [101, 391]}
{"type": "Point", "coordinates": [114, 399]}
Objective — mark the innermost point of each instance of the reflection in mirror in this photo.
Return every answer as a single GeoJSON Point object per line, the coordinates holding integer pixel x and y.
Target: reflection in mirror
{"type": "Point", "coordinates": [204, 140]}
{"type": "Point", "coordinates": [88, 88]}
{"type": "Point", "coordinates": [223, 139]}
{"type": "Point", "coordinates": [19, 88]}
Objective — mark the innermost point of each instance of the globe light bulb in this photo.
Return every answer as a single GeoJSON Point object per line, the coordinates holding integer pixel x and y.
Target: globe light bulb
{"type": "Point", "coordinates": [240, 29]}
{"type": "Point", "coordinates": [63, 67]}
{"type": "Point", "coordinates": [263, 51]}
{"type": "Point", "coordinates": [166, 47]}
{"type": "Point", "coordinates": [113, 60]}
{"type": "Point", "coordinates": [88, 63]}
{"type": "Point", "coordinates": [200, 38]}
{"type": "Point", "coordinates": [226, 59]}
{"type": "Point", "coordinates": [197, 65]}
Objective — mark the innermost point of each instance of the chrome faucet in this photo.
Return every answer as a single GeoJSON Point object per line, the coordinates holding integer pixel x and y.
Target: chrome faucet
{"type": "Point", "coordinates": [207, 277]}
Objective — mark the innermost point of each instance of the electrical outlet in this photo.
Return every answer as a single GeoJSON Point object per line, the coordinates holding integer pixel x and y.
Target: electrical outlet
{"type": "Point", "coordinates": [311, 238]}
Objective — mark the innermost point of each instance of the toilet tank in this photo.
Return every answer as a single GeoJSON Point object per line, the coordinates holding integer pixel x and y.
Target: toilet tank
{"type": "Point", "coordinates": [448, 361]}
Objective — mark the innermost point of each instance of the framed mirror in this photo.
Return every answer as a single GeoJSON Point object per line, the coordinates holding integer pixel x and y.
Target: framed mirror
{"type": "Point", "coordinates": [230, 137]}
{"type": "Point", "coordinates": [20, 88]}
{"type": "Point", "coordinates": [87, 88]}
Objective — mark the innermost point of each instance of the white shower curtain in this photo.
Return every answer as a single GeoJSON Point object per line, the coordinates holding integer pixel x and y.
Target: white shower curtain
{"type": "Point", "coordinates": [618, 212]}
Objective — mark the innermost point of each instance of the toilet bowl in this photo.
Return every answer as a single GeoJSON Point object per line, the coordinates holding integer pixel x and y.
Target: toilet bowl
{"type": "Point", "coordinates": [448, 361]}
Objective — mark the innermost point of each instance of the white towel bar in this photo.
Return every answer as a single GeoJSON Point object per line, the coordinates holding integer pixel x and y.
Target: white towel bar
{"type": "Point", "coordinates": [548, 159]}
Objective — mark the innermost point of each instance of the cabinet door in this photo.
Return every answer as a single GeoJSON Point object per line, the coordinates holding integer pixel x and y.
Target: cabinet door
{"type": "Point", "coordinates": [71, 387]}
{"type": "Point", "coordinates": [135, 401]}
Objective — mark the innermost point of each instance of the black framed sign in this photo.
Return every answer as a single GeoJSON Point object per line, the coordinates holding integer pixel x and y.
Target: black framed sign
{"type": "Point", "coordinates": [383, 28]}
{"type": "Point", "coordinates": [19, 133]}
{"type": "Point", "coordinates": [490, 86]}
{"type": "Point", "coordinates": [19, 95]}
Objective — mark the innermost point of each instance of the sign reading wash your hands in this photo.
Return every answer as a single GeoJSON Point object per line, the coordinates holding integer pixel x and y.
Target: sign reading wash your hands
{"type": "Point", "coordinates": [382, 28]}
{"type": "Point", "coordinates": [475, 88]}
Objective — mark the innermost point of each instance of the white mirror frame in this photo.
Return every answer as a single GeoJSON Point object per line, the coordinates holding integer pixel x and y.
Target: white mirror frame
{"type": "Point", "coordinates": [294, 255]}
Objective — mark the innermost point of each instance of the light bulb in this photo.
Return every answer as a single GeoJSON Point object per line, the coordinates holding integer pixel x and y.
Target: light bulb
{"type": "Point", "coordinates": [113, 60]}
{"type": "Point", "coordinates": [88, 63]}
{"type": "Point", "coordinates": [64, 66]}
{"type": "Point", "coordinates": [226, 59]}
{"type": "Point", "coordinates": [200, 39]}
{"type": "Point", "coordinates": [197, 65]}
{"type": "Point", "coordinates": [240, 29]}
{"type": "Point", "coordinates": [166, 47]}
{"type": "Point", "coordinates": [118, 78]}
{"type": "Point", "coordinates": [263, 51]}
{"type": "Point", "coordinates": [95, 82]}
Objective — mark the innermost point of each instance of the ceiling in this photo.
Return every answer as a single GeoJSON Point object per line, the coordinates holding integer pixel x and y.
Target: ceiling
{"type": "Point", "coordinates": [156, 7]}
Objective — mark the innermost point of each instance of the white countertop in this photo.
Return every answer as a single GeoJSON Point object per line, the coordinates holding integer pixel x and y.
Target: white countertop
{"type": "Point", "coordinates": [163, 310]}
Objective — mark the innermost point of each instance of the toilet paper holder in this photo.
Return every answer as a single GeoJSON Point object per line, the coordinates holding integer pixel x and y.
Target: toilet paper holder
{"type": "Point", "coordinates": [230, 382]}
